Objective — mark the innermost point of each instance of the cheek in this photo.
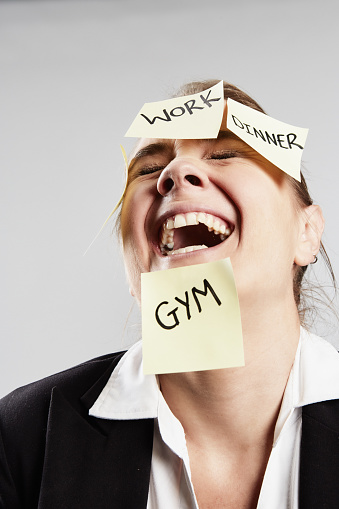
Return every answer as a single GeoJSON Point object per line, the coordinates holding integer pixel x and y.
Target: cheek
{"type": "Point", "coordinates": [131, 213]}
{"type": "Point", "coordinates": [130, 246]}
{"type": "Point", "coordinates": [134, 241]}
{"type": "Point", "coordinates": [268, 230]}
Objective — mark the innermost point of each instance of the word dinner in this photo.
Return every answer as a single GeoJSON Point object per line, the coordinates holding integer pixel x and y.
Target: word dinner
{"type": "Point", "coordinates": [287, 141]}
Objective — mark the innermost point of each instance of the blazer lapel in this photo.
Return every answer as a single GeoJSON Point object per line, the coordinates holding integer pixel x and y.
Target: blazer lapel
{"type": "Point", "coordinates": [319, 456]}
{"type": "Point", "coordinates": [94, 463]}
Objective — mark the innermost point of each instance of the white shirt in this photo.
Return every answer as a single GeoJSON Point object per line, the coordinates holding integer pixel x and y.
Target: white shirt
{"type": "Point", "coordinates": [129, 394]}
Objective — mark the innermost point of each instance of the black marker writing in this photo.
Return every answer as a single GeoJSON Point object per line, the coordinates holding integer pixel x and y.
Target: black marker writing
{"type": "Point", "coordinates": [286, 141]}
{"type": "Point", "coordinates": [186, 304]}
{"type": "Point", "coordinates": [173, 313]}
{"type": "Point", "coordinates": [207, 286]}
{"type": "Point", "coordinates": [208, 101]}
{"type": "Point", "coordinates": [188, 107]}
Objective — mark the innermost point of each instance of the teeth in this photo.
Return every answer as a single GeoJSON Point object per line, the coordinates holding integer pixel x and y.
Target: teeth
{"type": "Point", "coordinates": [188, 249]}
{"type": "Point", "coordinates": [179, 221]}
{"type": "Point", "coordinates": [170, 224]}
{"type": "Point", "coordinates": [191, 218]}
{"type": "Point", "coordinates": [201, 217]}
{"type": "Point", "coordinates": [197, 248]}
{"type": "Point", "coordinates": [216, 226]}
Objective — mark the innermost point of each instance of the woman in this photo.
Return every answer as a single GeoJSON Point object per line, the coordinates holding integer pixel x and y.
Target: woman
{"type": "Point", "coordinates": [264, 435]}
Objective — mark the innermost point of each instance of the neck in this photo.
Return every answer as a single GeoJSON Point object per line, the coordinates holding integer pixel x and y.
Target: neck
{"type": "Point", "coordinates": [239, 406]}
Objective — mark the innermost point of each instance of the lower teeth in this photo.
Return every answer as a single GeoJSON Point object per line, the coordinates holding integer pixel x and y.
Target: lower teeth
{"type": "Point", "coordinates": [187, 249]}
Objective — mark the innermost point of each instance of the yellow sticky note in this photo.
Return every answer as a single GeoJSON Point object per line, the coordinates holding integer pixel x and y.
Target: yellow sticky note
{"type": "Point", "coordinates": [191, 319]}
{"type": "Point", "coordinates": [282, 144]}
{"type": "Point", "coordinates": [196, 116]}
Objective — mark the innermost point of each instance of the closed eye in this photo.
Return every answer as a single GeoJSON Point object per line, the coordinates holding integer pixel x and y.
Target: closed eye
{"type": "Point", "coordinates": [223, 154]}
{"type": "Point", "coordinates": [147, 170]}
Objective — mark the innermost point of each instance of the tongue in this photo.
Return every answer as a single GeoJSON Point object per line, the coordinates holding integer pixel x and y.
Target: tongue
{"type": "Point", "coordinates": [195, 236]}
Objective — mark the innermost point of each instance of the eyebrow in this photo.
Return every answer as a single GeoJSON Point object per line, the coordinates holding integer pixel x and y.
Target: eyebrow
{"type": "Point", "coordinates": [150, 150]}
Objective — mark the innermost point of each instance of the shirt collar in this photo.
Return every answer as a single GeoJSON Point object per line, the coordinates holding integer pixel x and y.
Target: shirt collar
{"type": "Point", "coordinates": [129, 394]}
{"type": "Point", "coordinates": [314, 377]}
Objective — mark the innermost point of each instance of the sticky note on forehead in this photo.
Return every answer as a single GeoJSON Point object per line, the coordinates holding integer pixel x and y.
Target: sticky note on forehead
{"type": "Point", "coordinates": [196, 116]}
{"type": "Point", "coordinates": [191, 319]}
{"type": "Point", "coordinates": [282, 144]}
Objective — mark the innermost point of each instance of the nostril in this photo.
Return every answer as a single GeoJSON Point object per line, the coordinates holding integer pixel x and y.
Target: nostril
{"type": "Point", "coordinates": [168, 184]}
{"type": "Point", "coordinates": [171, 181]}
{"type": "Point", "coordinates": [193, 179]}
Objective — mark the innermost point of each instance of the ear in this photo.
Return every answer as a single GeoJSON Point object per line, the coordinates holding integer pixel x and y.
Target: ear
{"type": "Point", "coordinates": [311, 228]}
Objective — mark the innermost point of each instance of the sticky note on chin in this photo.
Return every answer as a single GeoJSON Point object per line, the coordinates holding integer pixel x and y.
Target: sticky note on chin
{"type": "Point", "coordinates": [282, 144]}
{"type": "Point", "coordinates": [191, 319]}
{"type": "Point", "coordinates": [196, 116]}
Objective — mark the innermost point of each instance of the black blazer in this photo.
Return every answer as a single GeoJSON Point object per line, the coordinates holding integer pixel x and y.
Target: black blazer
{"type": "Point", "coordinates": [53, 455]}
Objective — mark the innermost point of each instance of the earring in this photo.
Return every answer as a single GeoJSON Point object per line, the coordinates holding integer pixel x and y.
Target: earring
{"type": "Point", "coordinates": [315, 259]}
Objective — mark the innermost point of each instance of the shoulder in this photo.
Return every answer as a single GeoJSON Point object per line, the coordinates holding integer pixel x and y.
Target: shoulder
{"type": "Point", "coordinates": [325, 413]}
{"type": "Point", "coordinates": [25, 424]}
{"type": "Point", "coordinates": [33, 400]}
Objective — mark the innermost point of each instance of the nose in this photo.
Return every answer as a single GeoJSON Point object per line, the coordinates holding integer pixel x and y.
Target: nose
{"type": "Point", "coordinates": [181, 174]}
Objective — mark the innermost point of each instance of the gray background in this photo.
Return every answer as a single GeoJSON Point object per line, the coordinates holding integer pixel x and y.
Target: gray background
{"type": "Point", "coordinates": [73, 75]}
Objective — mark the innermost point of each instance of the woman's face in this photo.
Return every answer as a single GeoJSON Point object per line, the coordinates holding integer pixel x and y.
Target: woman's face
{"type": "Point", "coordinates": [196, 201]}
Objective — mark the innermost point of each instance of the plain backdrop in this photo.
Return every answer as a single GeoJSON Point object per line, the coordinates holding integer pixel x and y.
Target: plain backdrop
{"type": "Point", "coordinates": [73, 74]}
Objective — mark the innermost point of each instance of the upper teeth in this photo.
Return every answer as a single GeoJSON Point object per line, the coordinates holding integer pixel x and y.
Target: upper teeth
{"type": "Point", "coordinates": [189, 219]}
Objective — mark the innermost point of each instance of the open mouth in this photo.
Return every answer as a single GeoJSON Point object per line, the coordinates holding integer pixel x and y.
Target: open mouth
{"type": "Point", "coordinates": [192, 231]}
